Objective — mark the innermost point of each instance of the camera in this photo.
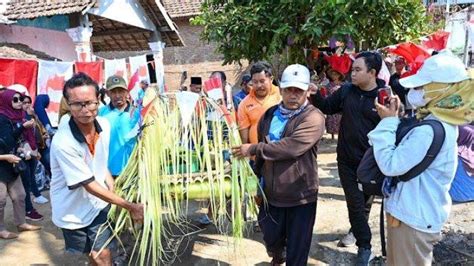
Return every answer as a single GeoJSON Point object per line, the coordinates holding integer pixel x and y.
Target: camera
{"type": "Point", "coordinates": [20, 167]}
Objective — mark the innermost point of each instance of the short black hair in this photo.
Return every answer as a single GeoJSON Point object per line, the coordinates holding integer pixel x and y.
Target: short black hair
{"type": "Point", "coordinates": [222, 74]}
{"type": "Point", "coordinates": [373, 60]}
{"type": "Point", "coordinates": [261, 66]}
{"type": "Point", "coordinates": [27, 97]}
{"type": "Point", "coordinates": [78, 80]}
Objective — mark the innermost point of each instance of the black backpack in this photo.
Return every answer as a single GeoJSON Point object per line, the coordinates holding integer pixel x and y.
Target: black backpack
{"type": "Point", "coordinates": [369, 176]}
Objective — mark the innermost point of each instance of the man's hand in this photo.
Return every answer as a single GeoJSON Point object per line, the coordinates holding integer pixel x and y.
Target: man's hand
{"type": "Point", "coordinates": [313, 89]}
{"type": "Point", "coordinates": [242, 150]}
{"type": "Point", "coordinates": [136, 211]}
{"type": "Point", "coordinates": [29, 124]}
{"type": "Point", "coordinates": [391, 110]}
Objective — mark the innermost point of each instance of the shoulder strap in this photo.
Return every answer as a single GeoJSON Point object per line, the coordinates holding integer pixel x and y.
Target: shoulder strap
{"type": "Point", "coordinates": [435, 147]}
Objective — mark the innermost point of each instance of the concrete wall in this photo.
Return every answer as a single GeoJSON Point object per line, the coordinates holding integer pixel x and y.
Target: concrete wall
{"type": "Point", "coordinates": [196, 57]}
{"type": "Point", "coordinates": [55, 43]}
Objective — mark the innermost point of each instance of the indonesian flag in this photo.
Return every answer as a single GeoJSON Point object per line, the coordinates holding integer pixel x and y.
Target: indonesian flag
{"type": "Point", "coordinates": [213, 88]}
{"type": "Point", "coordinates": [133, 81]}
{"type": "Point", "coordinates": [51, 78]}
{"type": "Point", "coordinates": [92, 69]}
{"type": "Point", "coordinates": [24, 72]}
{"type": "Point", "coordinates": [139, 70]}
{"type": "Point", "coordinates": [340, 63]}
{"type": "Point", "coordinates": [414, 55]}
{"type": "Point", "coordinates": [436, 41]}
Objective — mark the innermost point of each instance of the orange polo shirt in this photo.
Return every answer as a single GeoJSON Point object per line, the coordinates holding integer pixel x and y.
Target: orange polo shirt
{"type": "Point", "coordinates": [251, 110]}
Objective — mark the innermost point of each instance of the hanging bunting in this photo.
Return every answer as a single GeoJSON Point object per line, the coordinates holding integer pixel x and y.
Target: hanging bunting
{"type": "Point", "coordinates": [436, 41]}
{"type": "Point", "coordinates": [15, 71]}
{"type": "Point", "coordinates": [51, 78]}
{"type": "Point", "coordinates": [115, 67]}
{"type": "Point", "coordinates": [92, 69]}
{"type": "Point", "coordinates": [139, 72]}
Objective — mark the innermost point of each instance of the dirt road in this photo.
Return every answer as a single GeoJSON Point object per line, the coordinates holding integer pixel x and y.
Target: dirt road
{"type": "Point", "coordinates": [208, 248]}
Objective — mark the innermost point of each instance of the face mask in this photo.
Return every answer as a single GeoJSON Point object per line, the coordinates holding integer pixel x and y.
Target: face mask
{"type": "Point", "coordinates": [416, 98]}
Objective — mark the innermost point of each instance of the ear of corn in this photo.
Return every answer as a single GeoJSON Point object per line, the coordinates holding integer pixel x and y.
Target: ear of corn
{"type": "Point", "coordinates": [172, 164]}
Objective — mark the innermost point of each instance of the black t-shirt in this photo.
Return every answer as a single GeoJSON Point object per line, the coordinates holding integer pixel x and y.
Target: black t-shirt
{"type": "Point", "coordinates": [9, 135]}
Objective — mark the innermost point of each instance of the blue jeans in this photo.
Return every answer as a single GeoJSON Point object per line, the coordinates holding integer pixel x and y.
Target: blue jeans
{"type": "Point", "coordinates": [29, 183]}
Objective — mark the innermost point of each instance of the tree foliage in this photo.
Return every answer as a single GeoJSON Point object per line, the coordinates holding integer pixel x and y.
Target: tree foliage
{"type": "Point", "coordinates": [260, 29]}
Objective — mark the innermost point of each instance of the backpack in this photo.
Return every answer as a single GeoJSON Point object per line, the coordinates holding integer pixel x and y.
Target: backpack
{"type": "Point", "coordinates": [369, 176]}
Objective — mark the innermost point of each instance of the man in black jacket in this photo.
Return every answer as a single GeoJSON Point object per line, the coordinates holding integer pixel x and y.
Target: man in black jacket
{"type": "Point", "coordinates": [356, 103]}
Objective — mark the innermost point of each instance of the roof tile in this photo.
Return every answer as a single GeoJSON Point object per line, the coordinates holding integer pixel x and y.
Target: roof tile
{"type": "Point", "coordinates": [183, 8]}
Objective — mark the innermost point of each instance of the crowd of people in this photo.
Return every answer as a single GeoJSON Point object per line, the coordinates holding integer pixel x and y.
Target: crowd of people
{"type": "Point", "coordinates": [281, 124]}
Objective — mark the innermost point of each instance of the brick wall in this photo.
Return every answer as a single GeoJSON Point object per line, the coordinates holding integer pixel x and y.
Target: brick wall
{"type": "Point", "coordinates": [196, 57]}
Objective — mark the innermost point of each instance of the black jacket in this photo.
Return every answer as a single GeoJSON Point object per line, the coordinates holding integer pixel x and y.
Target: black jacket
{"type": "Point", "coordinates": [9, 136]}
{"type": "Point", "coordinates": [359, 117]}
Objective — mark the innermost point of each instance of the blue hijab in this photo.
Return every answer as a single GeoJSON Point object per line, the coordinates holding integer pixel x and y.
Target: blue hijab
{"type": "Point", "coordinates": [41, 103]}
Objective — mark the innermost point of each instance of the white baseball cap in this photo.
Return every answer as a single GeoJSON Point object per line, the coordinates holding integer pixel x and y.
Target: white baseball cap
{"type": "Point", "coordinates": [295, 76]}
{"type": "Point", "coordinates": [443, 68]}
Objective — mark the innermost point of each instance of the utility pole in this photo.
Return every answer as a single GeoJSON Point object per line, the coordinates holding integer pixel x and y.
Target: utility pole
{"type": "Point", "coordinates": [466, 42]}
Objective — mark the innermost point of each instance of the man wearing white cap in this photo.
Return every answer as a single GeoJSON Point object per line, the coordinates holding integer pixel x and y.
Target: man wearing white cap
{"type": "Point", "coordinates": [288, 134]}
{"type": "Point", "coordinates": [418, 208]}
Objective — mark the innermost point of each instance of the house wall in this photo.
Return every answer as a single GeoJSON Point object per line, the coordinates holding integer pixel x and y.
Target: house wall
{"type": "Point", "coordinates": [196, 57]}
{"type": "Point", "coordinates": [55, 43]}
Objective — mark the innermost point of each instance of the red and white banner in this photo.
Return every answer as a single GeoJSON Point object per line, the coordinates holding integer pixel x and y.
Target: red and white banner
{"type": "Point", "coordinates": [436, 41]}
{"type": "Point", "coordinates": [116, 67]}
{"type": "Point", "coordinates": [92, 69]}
{"type": "Point", "coordinates": [15, 71]}
{"type": "Point", "coordinates": [139, 72]}
{"type": "Point", "coordinates": [51, 79]}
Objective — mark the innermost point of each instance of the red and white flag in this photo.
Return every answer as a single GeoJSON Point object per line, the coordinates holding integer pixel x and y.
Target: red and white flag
{"type": "Point", "coordinates": [139, 72]}
{"type": "Point", "coordinates": [51, 78]}
{"type": "Point", "coordinates": [92, 69]}
{"type": "Point", "coordinates": [24, 72]}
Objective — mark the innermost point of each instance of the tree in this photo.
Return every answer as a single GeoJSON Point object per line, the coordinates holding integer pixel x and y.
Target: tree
{"type": "Point", "coordinates": [260, 29]}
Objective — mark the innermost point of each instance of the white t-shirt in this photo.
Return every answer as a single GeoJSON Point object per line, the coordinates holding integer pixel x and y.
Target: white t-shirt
{"type": "Point", "coordinates": [72, 164]}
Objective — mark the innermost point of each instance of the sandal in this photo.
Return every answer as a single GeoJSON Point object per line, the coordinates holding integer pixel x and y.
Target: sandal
{"type": "Point", "coordinates": [7, 235]}
{"type": "Point", "coordinates": [28, 227]}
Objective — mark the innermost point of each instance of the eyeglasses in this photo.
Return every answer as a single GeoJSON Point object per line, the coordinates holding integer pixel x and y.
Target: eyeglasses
{"type": "Point", "coordinates": [17, 99]}
{"type": "Point", "coordinates": [77, 106]}
{"type": "Point", "coordinates": [26, 102]}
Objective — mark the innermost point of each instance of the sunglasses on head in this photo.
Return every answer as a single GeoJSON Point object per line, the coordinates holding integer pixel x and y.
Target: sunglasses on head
{"type": "Point", "coordinates": [17, 99]}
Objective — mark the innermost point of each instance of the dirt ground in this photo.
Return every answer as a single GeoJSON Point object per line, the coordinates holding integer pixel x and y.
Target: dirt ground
{"type": "Point", "coordinates": [206, 247]}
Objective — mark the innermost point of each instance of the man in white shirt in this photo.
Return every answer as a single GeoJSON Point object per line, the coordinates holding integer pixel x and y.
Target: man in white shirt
{"type": "Point", "coordinates": [81, 185]}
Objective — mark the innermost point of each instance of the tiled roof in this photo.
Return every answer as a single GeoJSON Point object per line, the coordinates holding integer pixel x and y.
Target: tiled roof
{"type": "Point", "coordinates": [183, 8]}
{"type": "Point", "coordinates": [108, 34]}
{"type": "Point", "coordinates": [3, 6]}
{"type": "Point", "coordinates": [27, 9]}
{"type": "Point", "coordinates": [18, 50]}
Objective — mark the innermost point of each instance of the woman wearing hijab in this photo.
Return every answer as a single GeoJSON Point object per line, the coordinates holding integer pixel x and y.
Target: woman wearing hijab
{"type": "Point", "coordinates": [10, 183]}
